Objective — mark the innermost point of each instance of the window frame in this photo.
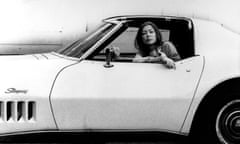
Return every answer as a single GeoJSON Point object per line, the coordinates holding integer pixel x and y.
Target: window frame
{"type": "Point", "coordinates": [136, 22]}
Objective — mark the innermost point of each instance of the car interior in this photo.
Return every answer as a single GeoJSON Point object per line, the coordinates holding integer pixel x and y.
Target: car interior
{"type": "Point", "coordinates": [177, 31]}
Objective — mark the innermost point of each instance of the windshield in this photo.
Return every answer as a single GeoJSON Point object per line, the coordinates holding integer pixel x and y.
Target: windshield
{"type": "Point", "coordinates": [79, 47]}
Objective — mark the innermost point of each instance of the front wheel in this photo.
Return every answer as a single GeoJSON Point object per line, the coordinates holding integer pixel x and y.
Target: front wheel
{"type": "Point", "coordinates": [227, 125]}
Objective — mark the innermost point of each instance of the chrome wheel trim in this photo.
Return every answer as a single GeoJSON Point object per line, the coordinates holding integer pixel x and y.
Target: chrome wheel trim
{"type": "Point", "coordinates": [228, 123]}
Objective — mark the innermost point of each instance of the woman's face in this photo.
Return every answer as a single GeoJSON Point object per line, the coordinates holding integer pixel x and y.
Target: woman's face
{"type": "Point", "coordinates": [148, 35]}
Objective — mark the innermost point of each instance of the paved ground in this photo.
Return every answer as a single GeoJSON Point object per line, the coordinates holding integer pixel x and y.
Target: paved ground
{"type": "Point", "coordinates": [109, 138]}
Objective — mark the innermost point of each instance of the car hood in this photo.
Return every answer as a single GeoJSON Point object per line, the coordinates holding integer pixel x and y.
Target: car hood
{"type": "Point", "coordinates": [30, 75]}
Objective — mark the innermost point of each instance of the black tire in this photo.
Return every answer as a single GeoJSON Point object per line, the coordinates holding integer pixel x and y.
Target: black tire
{"type": "Point", "coordinates": [228, 123]}
{"type": "Point", "coordinates": [219, 123]}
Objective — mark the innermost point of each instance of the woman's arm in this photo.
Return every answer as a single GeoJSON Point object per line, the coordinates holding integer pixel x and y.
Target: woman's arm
{"type": "Point", "coordinates": [169, 63]}
{"type": "Point", "coordinates": [138, 58]}
{"type": "Point", "coordinates": [163, 59]}
{"type": "Point", "coordinates": [151, 59]}
{"type": "Point", "coordinates": [170, 50]}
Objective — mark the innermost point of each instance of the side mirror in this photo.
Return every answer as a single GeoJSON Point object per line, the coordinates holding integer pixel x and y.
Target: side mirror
{"type": "Point", "coordinates": [109, 55]}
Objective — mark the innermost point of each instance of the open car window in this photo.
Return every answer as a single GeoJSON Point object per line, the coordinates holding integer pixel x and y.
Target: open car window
{"type": "Point", "coordinates": [125, 43]}
{"type": "Point", "coordinates": [177, 31]}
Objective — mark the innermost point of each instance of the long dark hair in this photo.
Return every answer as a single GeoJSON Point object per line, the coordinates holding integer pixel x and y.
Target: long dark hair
{"type": "Point", "coordinates": [143, 48]}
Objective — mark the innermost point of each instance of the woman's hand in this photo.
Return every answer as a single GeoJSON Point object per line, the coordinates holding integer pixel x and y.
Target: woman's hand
{"type": "Point", "coordinates": [115, 50]}
{"type": "Point", "coordinates": [169, 63]}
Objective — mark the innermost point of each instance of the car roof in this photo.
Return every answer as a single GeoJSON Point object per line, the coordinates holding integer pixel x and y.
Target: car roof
{"type": "Point", "coordinates": [139, 17]}
{"type": "Point", "coordinates": [164, 20]}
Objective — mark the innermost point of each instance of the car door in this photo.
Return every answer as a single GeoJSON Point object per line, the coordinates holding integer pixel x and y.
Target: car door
{"type": "Point", "coordinates": [126, 96]}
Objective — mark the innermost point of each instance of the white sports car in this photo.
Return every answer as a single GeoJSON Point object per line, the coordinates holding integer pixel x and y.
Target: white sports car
{"type": "Point", "coordinates": [82, 87]}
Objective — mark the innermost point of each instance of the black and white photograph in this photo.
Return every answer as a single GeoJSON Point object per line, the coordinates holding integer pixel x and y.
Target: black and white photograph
{"type": "Point", "coordinates": [120, 71]}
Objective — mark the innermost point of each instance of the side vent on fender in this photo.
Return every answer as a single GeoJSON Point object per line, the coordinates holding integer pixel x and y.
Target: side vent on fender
{"type": "Point", "coordinates": [21, 109]}
{"type": "Point", "coordinates": [31, 110]}
{"type": "Point", "coordinates": [10, 111]}
{"type": "Point", "coordinates": [17, 111]}
{"type": "Point", "coordinates": [1, 110]}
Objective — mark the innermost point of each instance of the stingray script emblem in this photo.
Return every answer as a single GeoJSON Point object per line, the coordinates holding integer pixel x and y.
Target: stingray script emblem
{"type": "Point", "coordinates": [14, 90]}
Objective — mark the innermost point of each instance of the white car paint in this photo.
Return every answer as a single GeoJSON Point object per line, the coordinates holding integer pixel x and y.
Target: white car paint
{"type": "Point", "coordinates": [127, 96]}
{"type": "Point", "coordinates": [220, 48]}
{"type": "Point", "coordinates": [34, 76]}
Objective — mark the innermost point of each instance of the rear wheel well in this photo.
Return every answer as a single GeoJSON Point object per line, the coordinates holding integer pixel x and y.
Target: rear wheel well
{"type": "Point", "coordinates": [220, 94]}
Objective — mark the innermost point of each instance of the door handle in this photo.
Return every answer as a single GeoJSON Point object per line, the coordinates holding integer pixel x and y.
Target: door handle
{"type": "Point", "coordinates": [188, 70]}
